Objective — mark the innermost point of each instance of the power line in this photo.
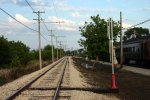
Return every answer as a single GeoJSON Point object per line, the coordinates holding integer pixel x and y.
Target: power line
{"type": "Point", "coordinates": [37, 14]}
{"type": "Point", "coordinates": [43, 21]}
{"type": "Point", "coordinates": [141, 23]}
{"type": "Point", "coordinates": [29, 5]}
{"type": "Point", "coordinates": [137, 24]}
{"type": "Point", "coordinates": [17, 20]}
{"type": "Point", "coordinates": [54, 8]}
{"type": "Point", "coordinates": [45, 38]}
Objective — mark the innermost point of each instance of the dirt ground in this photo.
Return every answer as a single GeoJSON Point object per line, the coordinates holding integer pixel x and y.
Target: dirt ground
{"type": "Point", "coordinates": [131, 86]}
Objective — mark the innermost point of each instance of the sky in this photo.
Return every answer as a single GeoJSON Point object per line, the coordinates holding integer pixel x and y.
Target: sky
{"type": "Point", "coordinates": [72, 14]}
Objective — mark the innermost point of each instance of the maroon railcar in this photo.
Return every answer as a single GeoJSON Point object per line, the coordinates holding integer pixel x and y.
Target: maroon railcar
{"type": "Point", "coordinates": [147, 50]}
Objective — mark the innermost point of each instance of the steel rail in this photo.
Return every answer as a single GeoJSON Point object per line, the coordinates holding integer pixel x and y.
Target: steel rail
{"type": "Point", "coordinates": [13, 95]}
{"type": "Point", "coordinates": [56, 94]}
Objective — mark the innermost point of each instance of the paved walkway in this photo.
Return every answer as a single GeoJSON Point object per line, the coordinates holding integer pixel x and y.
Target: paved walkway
{"type": "Point", "coordinates": [137, 70]}
{"type": "Point", "coordinates": [133, 69]}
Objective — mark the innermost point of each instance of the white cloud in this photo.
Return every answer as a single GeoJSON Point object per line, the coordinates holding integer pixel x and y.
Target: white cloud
{"type": "Point", "coordinates": [146, 9]}
{"type": "Point", "coordinates": [77, 15]}
{"type": "Point", "coordinates": [126, 25]}
{"type": "Point", "coordinates": [67, 25]}
{"type": "Point", "coordinates": [13, 27]}
{"type": "Point", "coordinates": [14, 1]}
{"type": "Point", "coordinates": [20, 18]}
{"type": "Point", "coordinates": [81, 24]}
{"type": "Point", "coordinates": [63, 6]}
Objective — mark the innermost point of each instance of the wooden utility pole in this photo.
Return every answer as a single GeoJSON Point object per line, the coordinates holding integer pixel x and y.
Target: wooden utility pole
{"type": "Point", "coordinates": [108, 35]}
{"type": "Point", "coordinates": [56, 44]}
{"type": "Point", "coordinates": [51, 31]}
{"type": "Point", "coordinates": [39, 35]}
{"type": "Point", "coordinates": [121, 42]}
{"type": "Point", "coordinates": [60, 49]}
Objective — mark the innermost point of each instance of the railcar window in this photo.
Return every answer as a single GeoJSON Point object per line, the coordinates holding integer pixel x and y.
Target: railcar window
{"type": "Point", "coordinates": [138, 50]}
{"type": "Point", "coordinates": [133, 49]}
{"type": "Point", "coordinates": [130, 49]}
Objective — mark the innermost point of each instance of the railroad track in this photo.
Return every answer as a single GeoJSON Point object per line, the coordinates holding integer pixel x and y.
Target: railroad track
{"type": "Point", "coordinates": [46, 86]}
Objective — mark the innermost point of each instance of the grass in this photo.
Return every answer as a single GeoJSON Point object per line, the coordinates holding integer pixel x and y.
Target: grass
{"type": "Point", "coordinates": [10, 74]}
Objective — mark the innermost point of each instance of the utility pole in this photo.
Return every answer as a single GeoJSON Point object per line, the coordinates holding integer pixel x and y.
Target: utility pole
{"type": "Point", "coordinates": [60, 48]}
{"type": "Point", "coordinates": [121, 42]}
{"type": "Point", "coordinates": [52, 39]}
{"type": "Point", "coordinates": [56, 44]}
{"type": "Point", "coordinates": [39, 35]}
{"type": "Point", "coordinates": [108, 34]}
{"type": "Point", "coordinates": [65, 50]}
{"type": "Point", "coordinates": [51, 31]}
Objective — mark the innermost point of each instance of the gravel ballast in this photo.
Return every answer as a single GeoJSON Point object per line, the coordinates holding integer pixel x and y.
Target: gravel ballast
{"type": "Point", "coordinates": [11, 87]}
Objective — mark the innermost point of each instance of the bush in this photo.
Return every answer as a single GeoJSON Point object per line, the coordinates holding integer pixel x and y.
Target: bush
{"type": "Point", "coordinates": [15, 62]}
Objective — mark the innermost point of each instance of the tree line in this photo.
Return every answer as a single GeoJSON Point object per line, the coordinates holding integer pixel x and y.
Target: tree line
{"type": "Point", "coordinates": [17, 54]}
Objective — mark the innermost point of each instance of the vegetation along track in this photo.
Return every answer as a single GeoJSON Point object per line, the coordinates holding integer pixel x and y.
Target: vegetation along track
{"type": "Point", "coordinates": [45, 86]}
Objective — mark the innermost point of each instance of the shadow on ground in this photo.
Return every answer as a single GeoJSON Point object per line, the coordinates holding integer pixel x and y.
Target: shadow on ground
{"type": "Point", "coordinates": [131, 86]}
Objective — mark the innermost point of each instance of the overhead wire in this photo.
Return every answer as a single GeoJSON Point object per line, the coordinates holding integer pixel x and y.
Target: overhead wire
{"type": "Point", "coordinates": [29, 5]}
{"type": "Point", "coordinates": [56, 12]}
{"type": "Point", "coordinates": [137, 24]}
{"type": "Point", "coordinates": [54, 8]}
{"type": "Point", "coordinates": [37, 14]}
{"type": "Point", "coordinates": [17, 20]}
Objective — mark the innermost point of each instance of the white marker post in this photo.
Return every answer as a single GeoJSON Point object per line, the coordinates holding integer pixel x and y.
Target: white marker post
{"type": "Point", "coordinates": [111, 50]}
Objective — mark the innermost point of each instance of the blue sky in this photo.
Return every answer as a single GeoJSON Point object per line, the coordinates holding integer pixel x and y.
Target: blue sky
{"type": "Point", "coordinates": [72, 12]}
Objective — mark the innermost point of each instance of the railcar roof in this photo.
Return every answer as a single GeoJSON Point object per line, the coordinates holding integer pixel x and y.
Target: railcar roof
{"type": "Point", "coordinates": [137, 40]}
{"type": "Point", "coordinates": [134, 40]}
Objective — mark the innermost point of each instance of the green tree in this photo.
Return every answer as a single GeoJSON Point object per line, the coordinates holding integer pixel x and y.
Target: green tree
{"type": "Point", "coordinates": [5, 53]}
{"type": "Point", "coordinates": [46, 52]}
{"type": "Point", "coordinates": [21, 50]}
{"type": "Point", "coordinates": [34, 54]}
{"type": "Point", "coordinates": [15, 63]}
{"type": "Point", "coordinates": [95, 40]}
{"type": "Point", "coordinates": [136, 32]}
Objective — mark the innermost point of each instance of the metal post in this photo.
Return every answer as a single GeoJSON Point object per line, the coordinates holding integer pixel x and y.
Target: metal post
{"type": "Point", "coordinates": [112, 55]}
{"type": "Point", "coordinates": [121, 42]}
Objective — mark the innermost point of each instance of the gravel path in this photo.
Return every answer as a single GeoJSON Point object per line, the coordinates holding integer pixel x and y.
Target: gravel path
{"type": "Point", "coordinates": [78, 80]}
{"type": "Point", "coordinates": [132, 86]}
